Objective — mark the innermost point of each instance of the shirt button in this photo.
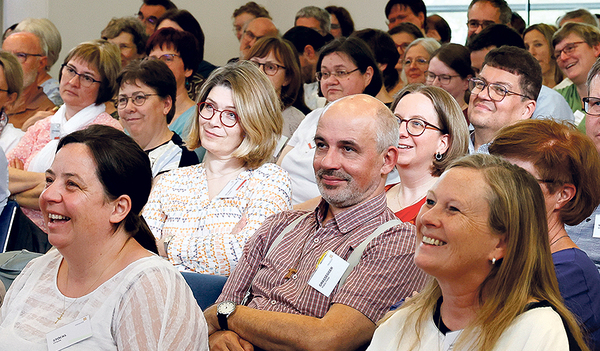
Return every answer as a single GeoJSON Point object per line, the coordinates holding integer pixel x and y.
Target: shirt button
{"type": "Point", "coordinates": [316, 240]}
{"type": "Point", "coordinates": [295, 276]}
{"type": "Point", "coordinates": [273, 302]}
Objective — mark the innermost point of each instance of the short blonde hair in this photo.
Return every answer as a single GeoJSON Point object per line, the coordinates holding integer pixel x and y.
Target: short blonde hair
{"type": "Point", "coordinates": [13, 72]}
{"type": "Point", "coordinates": [257, 106]}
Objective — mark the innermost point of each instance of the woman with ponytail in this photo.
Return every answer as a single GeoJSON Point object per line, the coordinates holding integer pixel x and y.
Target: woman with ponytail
{"type": "Point", "coordinates": [104, 273]}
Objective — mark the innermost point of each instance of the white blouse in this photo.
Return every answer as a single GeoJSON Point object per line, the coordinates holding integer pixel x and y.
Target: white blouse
{"type": "Point", "coordinates": [146, 306]}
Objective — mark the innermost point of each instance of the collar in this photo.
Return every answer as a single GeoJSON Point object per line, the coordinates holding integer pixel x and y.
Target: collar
{"type": "Point", "coordinates": [482, 149]}
{"type": "Point", "coordinates": [346, 221]}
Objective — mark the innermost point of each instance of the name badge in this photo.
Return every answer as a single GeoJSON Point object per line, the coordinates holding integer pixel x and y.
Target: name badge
{"type": "Point", "coordinates": [69, 334]}
{"type": "Point", "coordinates": [55, 131]}
{"type": "Point", "coordinates": [231, 188]}
{"type": "Point", "coordinates": [596, 233]}
{"type": "Point", "coordinates": [578, 117]}
{"type": "Point", "coordinates": [329, 271]}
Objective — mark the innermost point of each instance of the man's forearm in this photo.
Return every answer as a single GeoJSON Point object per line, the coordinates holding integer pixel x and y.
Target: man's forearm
{"type": "Point", "coordinates": [20, 180]}
{"type": "Point", "coordinates": [30, 198]}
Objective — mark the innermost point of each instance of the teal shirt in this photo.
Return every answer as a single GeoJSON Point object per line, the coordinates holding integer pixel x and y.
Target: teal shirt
{"type": "Point", "coordinates": [181, 124]}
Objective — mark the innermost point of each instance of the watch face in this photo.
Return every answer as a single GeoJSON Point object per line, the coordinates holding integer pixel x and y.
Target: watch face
{"type": "Point", "coordinates": [226, 307]}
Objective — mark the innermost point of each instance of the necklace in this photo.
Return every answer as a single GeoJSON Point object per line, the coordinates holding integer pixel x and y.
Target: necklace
{"type": "Point", "coordinates": [86, 291]}
{"type": "Point", "coordinates": [555, 241]}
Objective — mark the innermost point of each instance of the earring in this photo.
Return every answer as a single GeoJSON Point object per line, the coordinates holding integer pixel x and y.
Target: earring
{"type": "Point", "coordinates": [494, 261]}
{"type": "Point", "coordinates": [438, 156]}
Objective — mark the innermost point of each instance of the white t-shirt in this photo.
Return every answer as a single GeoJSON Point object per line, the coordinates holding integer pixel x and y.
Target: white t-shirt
{"type": "Point", "coordinates": [146, 306]}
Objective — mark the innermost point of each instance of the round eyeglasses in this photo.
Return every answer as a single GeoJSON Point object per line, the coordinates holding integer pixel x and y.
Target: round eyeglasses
{"type": "Point", "coordinates": [591, 105]}
{"type": "Point", "coordinates": [497, 92]}
{"type": "Point", "coordinates": [138, 99]}
{"type": "Point", "coordinates": [85, 79]}
{"type": "Point", "coordinates": [416, 126]}
{"type": "Point", "coordinates": [206, 110]}
{"type": "Point", "coordinates": [270, 68]}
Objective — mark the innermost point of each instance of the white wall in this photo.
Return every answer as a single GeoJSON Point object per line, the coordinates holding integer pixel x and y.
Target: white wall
{"type": "Point", "coordinates": [81, 20]}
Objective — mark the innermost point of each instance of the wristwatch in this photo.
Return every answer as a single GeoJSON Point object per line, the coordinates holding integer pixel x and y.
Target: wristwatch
{"type": "Point", "coordinates": [166, 243]}
{"type": "Point", "coordinates": [224, 310]}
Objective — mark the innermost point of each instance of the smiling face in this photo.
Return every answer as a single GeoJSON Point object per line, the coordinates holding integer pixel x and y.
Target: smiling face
{"type": "Point", "coordinates": [457, 85]}
{"type": "Point", "coordinates": [416, 62]}
{"type": "Point", "coordinates": [73, 203]}
{"type": "Point", "coordinates": [333, 87]}
{"type": "Point", "coordinates": [76, 96]}
{"type": "Point", "coordinates": [143, 122]}
{"type": "Point", "coordinates": [537, 45]}
{"type": "Point", "coordinates": [419, 151]}
{"type": "Point", "coordinates": [578, 63]}
{"type": "Point", "coordinates": [454, 239]}
{"type": "Point", "coordinates": [217, 139]}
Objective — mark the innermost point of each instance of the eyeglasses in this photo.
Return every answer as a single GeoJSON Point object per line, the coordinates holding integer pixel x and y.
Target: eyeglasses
{"type": "Point", "coordinates": [269, 68]}
{"type": "Point", "coordinates": [416, 126]}
{"type": "Point", "coordinates": [251, 35]}
{"type": "Point", "coordinates": [138, 99]}
{"type": "Point", "coordinates": [420, 61]}
{"type": "Point", "coordinates": [206, 110]}
{"type": "Point", "coordinates": [23, 56]}
{"type": "Point", "coordinates": [443, 78]}
{"type": "Point", "coordinates": [152, 19]}
{"type": "Point", "coordinates": [591, 105]}
{"type": "Point", "coordinates": [4, 90]}
{"type": "Point", "coordinates": [335, 26]}
{"type": "Point", "coordinates": [84, 79]}
{"type": "Point", "coordinates": [166, 58]}
{"type": "Point", "coordinates": [474, 24]}
{"type": "Point", "coordinates": [497, 92]}
{"type": "Point", "coordinates": [340, 74]}
{"type": "Point", "coordinates": [568, 49]}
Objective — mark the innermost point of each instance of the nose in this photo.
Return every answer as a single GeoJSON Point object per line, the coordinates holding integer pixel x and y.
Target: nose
{"type": "Point", "coordinates": [50, 194]}
{"type": "Point", "coordinates": [403, 127]}
{"type": "Point", "coordinates": [427, 216]}
{"type": "Point", "coordinates": [328, 159]}
{"type": "Point", "coordinates": [129, 105]}
{"type": "Point", "coordinates": [74, 81]}
{"type": "Point", "coordinates": [436, 82]}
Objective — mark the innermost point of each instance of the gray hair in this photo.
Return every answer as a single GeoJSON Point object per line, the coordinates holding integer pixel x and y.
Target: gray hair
{"type": "Point", "coordinates": [317, 13]}
{"type": "Point", "coordinates": [594, 72]}
{"type": "Point", "coordinates": [429, 44]}
{"type": "Point", "coordinates": [47, 33]}
{"type": "Point", "coordinates": [584, 14]}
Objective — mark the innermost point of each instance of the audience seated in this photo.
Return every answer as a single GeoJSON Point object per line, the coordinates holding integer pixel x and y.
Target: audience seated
{"type": "Point", "coordinates": [576, 47]}
{"type": "Point", "coordinates": [278, 59]}
{"type": "Point", "coordinates": [483, 13]}
{"type": "Point", "coordinates": [585, 234]}
{"type": "Point", "coordinates": [27, 47]}
{"type": "Point", "coordinates": [566, 165]}
{"type": "Point", "coordinates": [315, 18]}
{"type": "Point", "coordinates": [450, 69]}
{"type": "Point", "coordinates": [87, 81]}
{"type": "Point", "coordinates": [103, 274]}
{"type": "Point", "coordinates": [356, 148]}
{"type": "Point", "coordinates": [11, 85]}
{"type": "Point", "coordinates": [483, 238]}
{"type": "Point", "coordinates": [434, 135]}
{"type": "Point", "coordinates": [401, 11]}
{"type": "Point", "coordinates": [416, 59]}
{"type": "Point", "coordinates": [403, 34]}
{"type": "Point", "coordinates": [203, 215]}
{"type": "Point", "coordinates": [129, 35]}
{"type": "Point", "coordinates": [387, 56]}
{"type": "Point", "coordinates": [346, 66]}
{"type": "Point", "coordinates": [538, 41]}
{"type": "Point", "coordinates": [179, 50]}
{"type": "Point", "coordinates": [254, 30]}
{"type": "Point", "coordinates": [151, 87]}
{"type": "Point", "coordinates": [51, 42]}
{"type": "Point", "coordinates": [246, 13]}
{"type": "Point", "coordinates": [438, 29]}
{"type": "Point", "coordinates": [342, 24]}
{"type": "Point", "coordinates": [150, 12]}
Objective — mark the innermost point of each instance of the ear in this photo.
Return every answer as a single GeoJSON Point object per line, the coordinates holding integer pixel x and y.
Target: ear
{"type": "Point", "coordinates": [188, 72]}
{"type": "Point", "coordinates": [43, 63]}
{"type": "Point", "coordinates": [168, 103]}
{"type": "Point", "coordinates": [528, 109]}
{"type": "Point", "coordinates": [466, 83]}
{"type": "Point", "coordinates": [390, 156]}
{"type": "Point", "coordinates": [596, 49]}
{"type": "Point", "coordinates": [443, 144]}
{"type": "Point", "coordinates": [368, 75]}
{"type": "Point", "coordinates": [309, 51]}
{"type": "Point", "coordinates": [500, 250]}
{"type": "Point", "coordinates": [421, 17]}
{"type": "Point", "coordinates": [11, 99]}
{"type": "Point", "coordinates": [382, 66]}
{"type": "Point", "coordinates": [564, 194]}
{"type": "Point", "coordinates": [121, 207]}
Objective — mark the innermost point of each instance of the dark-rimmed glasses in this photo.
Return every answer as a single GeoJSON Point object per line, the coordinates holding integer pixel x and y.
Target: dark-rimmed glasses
{"type": "Point", "coordinates": [206, 110]}
{"type": "Point", "coordinates": [85, 79]}
{"type": "Point", "coordinates": [23, 56]}
{"type": "Point", "coordinates": [568, 49]}
{"type": "Point", "coordinates": [138, 99]}
{"type": "Point", "coordinates": [591, 105]}
{"type": "Point", "coordinates": [443, 78]}
{"type": "Point", "coordinates": [474, 24]}
{"type": "Point", "coordinates": [497, 92]}
{"type": "Point", "coordinates": [416, 126]}
{"type": "Point", "coordinates": [339, 74]}
{"type": "Point", "coordinates": [270, 68]}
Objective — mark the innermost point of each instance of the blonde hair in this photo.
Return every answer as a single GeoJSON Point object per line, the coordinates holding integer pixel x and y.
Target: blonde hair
{"type": "Point", "coordinates": [526, 272]}
{"type": "Point", "coordinates": [257, 106]}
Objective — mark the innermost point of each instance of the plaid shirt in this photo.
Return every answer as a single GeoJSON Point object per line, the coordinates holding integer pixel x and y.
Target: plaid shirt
{"type": "Point", "coordinates": [386, 272]}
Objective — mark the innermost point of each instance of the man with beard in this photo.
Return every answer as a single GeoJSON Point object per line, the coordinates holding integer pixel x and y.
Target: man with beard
{"type": "Point", "coordinates": [291, 299]}
{"type": "Point", "coordinates": [27, 47]}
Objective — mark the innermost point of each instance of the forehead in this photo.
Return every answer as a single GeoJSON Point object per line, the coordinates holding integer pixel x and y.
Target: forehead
{"type": "Point", "coordinates": [416, 105]}
{"type": "Point", "coordinates": [534, 35]}
{"type": "Point", "coordinates": [152, 10]}
{"type": "Point", "coordinates": [24, 41]}
{"type": "Point", "coordinates": [438, 67]}
{"type": "Point", "coordinates": [402, 37]}
{"type": "Point", "coordinates": [243, 18]}
{"type": "Point", "coordinates": [497, 75]}
{"type": "Point", "coordinates": [336, 59]}
{"type": "Point", "coordinates": [82, 66]}
{"type": "Point", "coordinates": [309, 22]}
{"type": "Point", "coordinates": [595, 86]}
{"type": "Point", "coordinates": [123, 37]}
{"type": "Point", "coordinates": [484, 11]}
{"type": "Point", "coordinates": [569, 39]}
{"type": "Point", "coordinates": [416, 51]}
{"type": "Point", "coordinates": [169, 24]}
{"type": "Point", "coordinates": [349, 120]}
{"type": "Point", "coordinates": [75, 158]}
{"type": "Point", "coordinates": [399, 9]}
{"type": "Point", "coordinates": [259, 26]}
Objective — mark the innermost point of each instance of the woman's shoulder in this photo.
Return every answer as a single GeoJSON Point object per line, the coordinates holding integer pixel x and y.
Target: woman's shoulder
{"type": "Point", "coordinates": [539, 328]}
{"type": "Point", "coordinates": [189, 174]}
{"type": "Point", "coordinates": [107, 120]}
{"type": "Point", "coordinates": [152, 268]}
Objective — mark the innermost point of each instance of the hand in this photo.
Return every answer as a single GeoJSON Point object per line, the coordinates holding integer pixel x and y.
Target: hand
{"type": "Point", "coordinates": [240, 225]}
{"type": "Point", "coordinates": [36, 117]}
{"type": "Point", "coordinates": [17, 163]}
{"type": "Point", "coordinates": [228, 340]}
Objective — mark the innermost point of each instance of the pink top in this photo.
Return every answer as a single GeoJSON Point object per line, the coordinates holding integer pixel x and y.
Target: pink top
{"type": "Point", "coordinates": [36, 137]}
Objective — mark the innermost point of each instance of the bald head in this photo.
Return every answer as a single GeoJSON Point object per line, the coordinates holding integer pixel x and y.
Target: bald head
{"type": "Point", "coordinates": [256, 29]}
{"type": "Point", "coordinates": [356, 138]}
